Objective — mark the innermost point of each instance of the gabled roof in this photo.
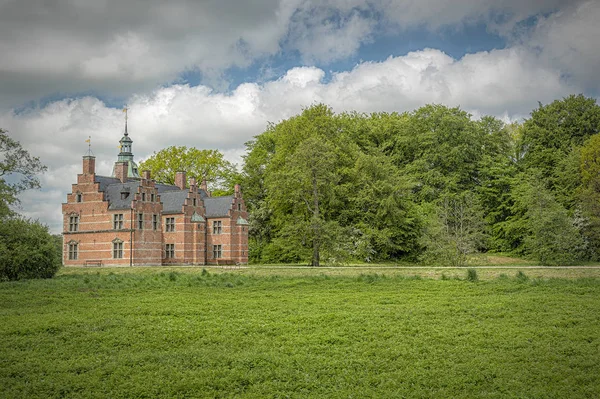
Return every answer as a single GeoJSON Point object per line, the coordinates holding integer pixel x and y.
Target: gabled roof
{"type": "Point", "coordinates": [163, 188]}
{"type": "Point", "coordinates": [173, 201]}
{"type": "Point", "coordinates": [120, 195]}
{"type": "Point", "coordinates": [218, 206]}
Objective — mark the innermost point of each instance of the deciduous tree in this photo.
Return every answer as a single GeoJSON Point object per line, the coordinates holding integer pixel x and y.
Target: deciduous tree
{"type": "Point", "coordinates": [220, 174]}
{"type": "Point", "coordinates": [18, 172]}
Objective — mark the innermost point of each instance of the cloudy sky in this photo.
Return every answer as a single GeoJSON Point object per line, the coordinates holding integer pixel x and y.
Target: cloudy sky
{"type": "Point", "coordinates": [213, 73]}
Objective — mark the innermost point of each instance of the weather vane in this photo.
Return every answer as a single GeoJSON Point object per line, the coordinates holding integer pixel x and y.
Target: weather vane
{"type": "Point", "coordinates": [125, 110]}
{"type": "Point", "coordinates": [89, 141]}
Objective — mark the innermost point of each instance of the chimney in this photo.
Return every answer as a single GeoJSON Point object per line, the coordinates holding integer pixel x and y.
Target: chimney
{"type": "Point", "coordinates": [89, 165]}
{"type": "Point", "coordinates": [238, 191]}
{"type": "Point", "coordinates": [180, 180]}
{"type": "Point", "coordinates": [192, 184]}
{"type": "Point", "coordinates": [146, 174]}
{"type": "Point", "coordinates": [121, 170]}
{"type": "Point", "coordinates": [204, 186]}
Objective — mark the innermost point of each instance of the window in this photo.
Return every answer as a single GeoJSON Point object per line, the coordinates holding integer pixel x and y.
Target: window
{"type": "Point", "coordinates": [152, 197]}
{"type": "Point", "coordinates": [118, 249]}
{"type": "Point", "coordinates": [140, 221]}
{"type": "Point", "coordinates": [155, 222]}
{"type": "Point", "coordinates": [73, 223]}
{"type": "Point", "coordinates": [124, 195]}
{"type": "Point", "coordinates": [169, 251]}
{"type": "Point", "coordinates": [170, 224]}
{"type": "Point", "coordinates": [79, 197]}
{"type": "Point", "coordinates": [217, 227]}
{"type": "Point", "coordinates": [194, 201]}
{"type": "Point", "coordinates": [73, 251]}
{"type": "Point", "coordinates": [118, 221]}
{"type": "Point", "coordinates": [239, 206]}
{"type": "Point", "coordinates": [143, 196]}
{"type": "Point", "coordinates": [216, 251]}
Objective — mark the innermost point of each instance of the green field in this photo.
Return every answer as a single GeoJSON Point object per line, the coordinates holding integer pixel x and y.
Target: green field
{"type": "Point", "coordinates": [277, 333]}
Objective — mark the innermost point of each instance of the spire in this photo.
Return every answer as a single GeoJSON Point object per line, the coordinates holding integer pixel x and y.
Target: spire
{"type": "Point", "coordinates": [125, 152]}
{"type": "Point", "coordinates": [125, 110]}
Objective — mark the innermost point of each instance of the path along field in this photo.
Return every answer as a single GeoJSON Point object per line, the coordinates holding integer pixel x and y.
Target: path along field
{"type": "Point", "coordinates": [276, 333]}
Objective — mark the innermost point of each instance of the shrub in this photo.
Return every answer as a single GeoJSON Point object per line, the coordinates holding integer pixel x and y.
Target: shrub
{"type": "Point", "coordinates": [472, 275]}
{"type": "Point", "coordinates": [27, 250]}
{"type": "Point", "coordinates": [522, 276]}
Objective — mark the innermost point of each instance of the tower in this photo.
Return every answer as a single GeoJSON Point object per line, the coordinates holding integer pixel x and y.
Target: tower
{"type": "Point", "coordinates": [125, 154]}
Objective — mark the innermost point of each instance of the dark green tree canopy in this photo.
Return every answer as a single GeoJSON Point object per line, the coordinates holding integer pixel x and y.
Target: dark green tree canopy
{"type": "Point", "coordinates": [27, 250]}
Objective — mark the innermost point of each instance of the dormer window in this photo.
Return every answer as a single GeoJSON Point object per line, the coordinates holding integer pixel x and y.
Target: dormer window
{"type": "Point", "coordinates": [124, 195]}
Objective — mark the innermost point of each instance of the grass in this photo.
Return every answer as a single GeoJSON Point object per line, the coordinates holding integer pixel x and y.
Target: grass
{"type": "Point", "coordinates": [190, 332]}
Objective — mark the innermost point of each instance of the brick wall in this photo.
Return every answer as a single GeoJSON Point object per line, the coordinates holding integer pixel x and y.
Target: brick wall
{"type": "Point", "coordinates": [96, 236]}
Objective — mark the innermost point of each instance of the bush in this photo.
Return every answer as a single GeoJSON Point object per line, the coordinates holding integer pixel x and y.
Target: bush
{"type": "Point", "coordinates": [27, 250]}
{"type": "Point", "coordinates": [472, 275]}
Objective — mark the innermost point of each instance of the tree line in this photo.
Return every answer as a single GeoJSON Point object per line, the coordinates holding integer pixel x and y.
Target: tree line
{"type": "Point", "coordinates": [433, 185]}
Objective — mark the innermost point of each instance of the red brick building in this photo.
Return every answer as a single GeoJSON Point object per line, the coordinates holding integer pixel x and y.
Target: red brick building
{"type": "Point", "coordinates": [130, 220]}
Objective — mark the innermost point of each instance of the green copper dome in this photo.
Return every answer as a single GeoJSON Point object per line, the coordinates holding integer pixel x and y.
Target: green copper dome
{"type": "Point", "coordinates": [125, 154]}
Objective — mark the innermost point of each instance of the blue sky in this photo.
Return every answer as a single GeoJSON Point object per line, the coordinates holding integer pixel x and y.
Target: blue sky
{"type": "Point", "coordinates": [212, 74]}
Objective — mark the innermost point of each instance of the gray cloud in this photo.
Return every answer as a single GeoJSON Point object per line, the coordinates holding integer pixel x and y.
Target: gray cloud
{"type": "Point", "coordinates": [129, 49]}
{"type": "Point", "coordinates": [116, 48]}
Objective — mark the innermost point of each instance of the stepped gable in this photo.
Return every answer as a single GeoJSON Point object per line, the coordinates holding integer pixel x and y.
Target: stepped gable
{"type": "Point", "coordinates": [129, 220]}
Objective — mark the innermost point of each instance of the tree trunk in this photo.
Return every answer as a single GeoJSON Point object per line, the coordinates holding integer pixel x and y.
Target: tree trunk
{"type": "Point", "coordinates": [316, 227]}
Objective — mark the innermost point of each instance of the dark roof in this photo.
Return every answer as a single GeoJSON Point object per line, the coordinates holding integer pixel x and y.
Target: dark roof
{"type": "Point", "coordinates": [162, 188]}
{"type": "Point", "coordinates": [105, 181]}
{"type": "Point", "coordinates": [218, 206]}
{"type": "Point", "coordinates": [173, 201]}
{"type": "Point", "coordinates": [120, 195]}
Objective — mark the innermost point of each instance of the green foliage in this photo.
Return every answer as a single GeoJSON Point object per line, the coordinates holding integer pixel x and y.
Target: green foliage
{"type": "Point", "coordinates": [220, 174]}
{"type": "Point", "coordinates": [454, 230]}
{"type": "Point", "coordinates": [21, 169]}
{"type": "Point", "coordinates": [432, 184]}
{"type": "Point", "coordinates": [27, 250]}
{"type": "Point", "coordinates": [472, 275]}
{"type": "Point", "coordinates": [134, 334]}
{"type": "Point", "coordinates": [551, 234]}
{"type": "Point", "coordinates": [555, 129]}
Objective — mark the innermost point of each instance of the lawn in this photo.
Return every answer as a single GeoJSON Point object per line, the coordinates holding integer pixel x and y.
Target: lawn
{"type": "Point", "coordinates": [258, 333]}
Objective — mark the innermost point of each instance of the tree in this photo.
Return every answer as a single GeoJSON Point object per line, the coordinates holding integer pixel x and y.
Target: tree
{"type": "Point", "coordinates": [441, 148]}
{"type": "Point", "coordinates": [554, 130]}
{"type": "Point", "coordinates": [18, 170]}
{"type": "Point", "coordinates": [220, 174]}
{"type": "Point", "coordinates": [27, 250]}
{"type": "Point", "coordinates": [302, 175]}
{"type": "Point", "coordinates": [551, 234]}
{"type": "Point", "coordinates": [589, 193]}
{"type": "Point", "coordinates": [454, 230]}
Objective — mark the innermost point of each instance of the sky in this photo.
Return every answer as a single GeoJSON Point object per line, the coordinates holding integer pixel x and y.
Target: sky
{"type": "Point", "coordinates": [213, 73]}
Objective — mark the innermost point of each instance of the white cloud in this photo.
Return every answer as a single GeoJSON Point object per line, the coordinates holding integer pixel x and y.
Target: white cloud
{"type": "Point", "coordinates": [506, 83]}
{"type": "Point", "coordinates": [569, 40]}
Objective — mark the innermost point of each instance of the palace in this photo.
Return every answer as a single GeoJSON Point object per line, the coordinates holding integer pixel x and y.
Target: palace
{"type": "Point", "coordinates": [131, 220]}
